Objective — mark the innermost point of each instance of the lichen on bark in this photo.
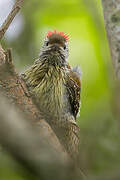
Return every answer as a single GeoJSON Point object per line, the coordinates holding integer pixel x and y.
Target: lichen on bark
{"type": "Point", "coordinates": [111, 9]}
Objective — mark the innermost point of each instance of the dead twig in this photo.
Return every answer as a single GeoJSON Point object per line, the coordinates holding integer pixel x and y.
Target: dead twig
{"type": "Point", "coordinates": [16, 8]}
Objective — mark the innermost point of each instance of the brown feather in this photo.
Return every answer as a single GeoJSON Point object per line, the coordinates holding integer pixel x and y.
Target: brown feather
{"type": "Point", "coordinates": [74, 88]}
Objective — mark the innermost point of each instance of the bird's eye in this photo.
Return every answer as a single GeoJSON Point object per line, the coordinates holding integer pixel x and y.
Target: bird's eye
{"type": "Point", "coordinates": [64, 47]}
{"type": "Point", "coordinates": [47, 43]}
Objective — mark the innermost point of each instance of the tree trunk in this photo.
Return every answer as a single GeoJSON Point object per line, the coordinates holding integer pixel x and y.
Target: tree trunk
{"type": "Point", "coordinates": [111, 10]}
{"type": "Point", "coordinates": [31, 146]}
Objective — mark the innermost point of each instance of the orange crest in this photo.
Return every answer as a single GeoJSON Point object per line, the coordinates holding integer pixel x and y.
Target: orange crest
{"type": "Point", "coordinates": [66, 36]}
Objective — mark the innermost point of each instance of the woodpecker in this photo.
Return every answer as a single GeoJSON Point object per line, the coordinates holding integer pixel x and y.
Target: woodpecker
{"type": "Point", "coordinates": [55, 87]}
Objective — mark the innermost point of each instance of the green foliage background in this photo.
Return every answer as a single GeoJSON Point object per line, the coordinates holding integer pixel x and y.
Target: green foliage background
{"type": "Point", "coordinates": [83, 20]}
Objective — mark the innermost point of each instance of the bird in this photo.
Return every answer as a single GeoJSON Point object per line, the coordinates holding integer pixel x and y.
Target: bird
{"type": "Point", "coordinates": [56, 87]}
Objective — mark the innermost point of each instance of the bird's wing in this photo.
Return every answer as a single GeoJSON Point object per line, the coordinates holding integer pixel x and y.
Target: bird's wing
{"type": "Point", "coordinates": [74, 89]}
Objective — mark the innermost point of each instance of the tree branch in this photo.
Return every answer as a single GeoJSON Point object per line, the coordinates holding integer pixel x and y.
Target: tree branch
{"type": "Point", "coordinates": [16, 8]}
{"type": "Point", "coordinates": [29, 147]}
{"type": "Point", "coordinates": [111, 11]}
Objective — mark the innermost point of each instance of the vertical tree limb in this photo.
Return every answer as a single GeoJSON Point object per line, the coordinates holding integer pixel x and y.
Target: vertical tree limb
{"type": "Point", "coordinates": [111, 9]}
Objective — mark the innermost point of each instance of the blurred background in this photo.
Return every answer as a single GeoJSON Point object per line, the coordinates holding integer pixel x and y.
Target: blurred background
{"type": "Point", "coordinates": [83, 20]}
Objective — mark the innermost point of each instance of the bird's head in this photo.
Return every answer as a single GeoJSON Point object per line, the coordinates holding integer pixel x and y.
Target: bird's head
{"type": "Point", "coordinates": [56, 43]}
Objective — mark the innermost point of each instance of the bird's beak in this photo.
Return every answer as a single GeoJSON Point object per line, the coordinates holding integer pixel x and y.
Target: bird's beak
{"type": "Point", "coordinates": [55, 47]}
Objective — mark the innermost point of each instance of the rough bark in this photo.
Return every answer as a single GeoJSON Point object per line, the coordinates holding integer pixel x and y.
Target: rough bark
{"type": "Point", "coordinates": [111, 9]}
{"type": "Point", "coordinates": [29, 147]}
